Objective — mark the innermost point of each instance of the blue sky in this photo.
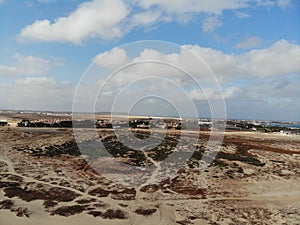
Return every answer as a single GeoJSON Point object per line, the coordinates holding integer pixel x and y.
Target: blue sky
{"type": "Point", "coordinates": [251, 46]}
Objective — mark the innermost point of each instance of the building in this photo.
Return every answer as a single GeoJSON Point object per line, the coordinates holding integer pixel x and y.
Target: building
{"type": "Point", "coordinates": [289, 132]}
{"type": "Point", "coordinates": [3, 123]}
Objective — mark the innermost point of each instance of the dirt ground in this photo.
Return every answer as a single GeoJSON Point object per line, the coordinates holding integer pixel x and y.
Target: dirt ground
{"type": "Point", "coordinates": [254, 179]}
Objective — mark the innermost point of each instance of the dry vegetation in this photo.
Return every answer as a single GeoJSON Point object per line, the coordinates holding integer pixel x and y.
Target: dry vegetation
{"type": "Point", "coordinates": [254, 179]}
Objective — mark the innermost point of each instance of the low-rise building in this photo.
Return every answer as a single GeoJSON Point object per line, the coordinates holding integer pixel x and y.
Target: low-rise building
{"type": "Point", "coordinates": [3, 123]}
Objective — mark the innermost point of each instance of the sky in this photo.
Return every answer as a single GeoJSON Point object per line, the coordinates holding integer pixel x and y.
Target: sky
{"type": "Point", "coordinates": [241, 56]}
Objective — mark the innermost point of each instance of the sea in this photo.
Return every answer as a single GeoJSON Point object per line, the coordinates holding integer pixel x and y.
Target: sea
{"type": "Point", "coordinates": [288, 125]}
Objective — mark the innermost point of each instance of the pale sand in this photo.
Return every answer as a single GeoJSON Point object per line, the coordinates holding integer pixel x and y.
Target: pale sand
{"type": "Point", "coordinates": [9, 218]}
{"type": "Point", "coordinates": [268, 194]}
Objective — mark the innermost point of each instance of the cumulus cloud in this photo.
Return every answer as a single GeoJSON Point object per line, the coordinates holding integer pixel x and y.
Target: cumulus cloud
{"type": "Point", "coordinates": [194, 6]}
{"type": "Point", "coordinates": [264, 98]}
{"type": "Point", "coordinates": [145, 18]}
{"type": "Point", "coordinates": [90, 19]}
{"type": "Point", "coordinates": [8, 71]}
{"type": "Point", "coordinates": [210, 93]}
{"type": "Point", "coordinates": [272, 67]}
{"type": "Point", "coordinates": [211, 24]}
{"type": "Point", "coordinates": [284, 3]}
{"type": "Point", "coordinates": [110, 19]}
{"type": "Point", "coordinates": [273, 73]}
{"type": "Point", "coordinates": [183, 69]}
{"type": "Point", "coordinates": [41, 93]}
{"type": "Point", "coordinates": [268, 98]}
{"type": "Point", "coordinates": [280, 58]}
{"type": "Point", "coordinates": [95, 18]}
{"type": "Point", "coordinates": [242, 15]}
{"type": "Point", "coordinates": [115, 58]}
{"type": "Point", "coordinates": [152, 62]}
{"type": "Point", "coordinates": [270, 3]}
{"type": "Point", "coordinates": [30, 65]}
{"type": "Point", "coordinates": [249, 42]}
{"type": "Point", "coordinates": [26, 65]}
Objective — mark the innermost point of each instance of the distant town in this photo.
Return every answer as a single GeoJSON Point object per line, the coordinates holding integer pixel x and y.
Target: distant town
{"type": "Point", "coordinates": [104, 120]}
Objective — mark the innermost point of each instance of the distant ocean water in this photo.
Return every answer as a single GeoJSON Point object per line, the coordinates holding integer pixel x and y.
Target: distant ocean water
{"type": "Point", "coordinates": [284, 125]}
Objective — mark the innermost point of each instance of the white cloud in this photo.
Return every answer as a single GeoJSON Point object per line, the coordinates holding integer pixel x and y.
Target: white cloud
{"type": "Point", "coordinates": [273, 72]}
{"type": "Point", "coordinates": [113, 59]}
{"type": "Point", "coordinates": [26, 65]}
{"type": "Point", "coordinates": [145, 18]}
{"type": "Point", "coordinates": [242, 15]}
{"type": "Point", "coordinates": [212, 94]}
{"type": "Point", "coordinates": [231, 92]}
{"type": "Point", "coordinates": [110, 19]}
{"type": "Point", "coordinates": [278, 59]}
{"type": "Point", "coordinates": [268, 98]}
{"type": "Point", "coordinates": [41, 93]}
{"type": "Point", "coordinates": [8, 71]}
{"type": "Point", "coordinates": [284, 3]}
{"type": "Point", "coordinates": [98, 18]}
{"type": "Point", "coordinates": [271, 3]}
{"type": "Point", "coordinates": [211, 24]}
{"type": "Point", "coordinates": [46, 1]}
{"type": "Point", "coordinates": [249, 42]}
{"type": "Point", "coordinates": [265, 3]}
{"type": "Point", "coordinates": [194, 6]}
{"type": "Point", "coordinates": [267, 67]}
{"type": "Point", "coordinates": [30, 65]}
